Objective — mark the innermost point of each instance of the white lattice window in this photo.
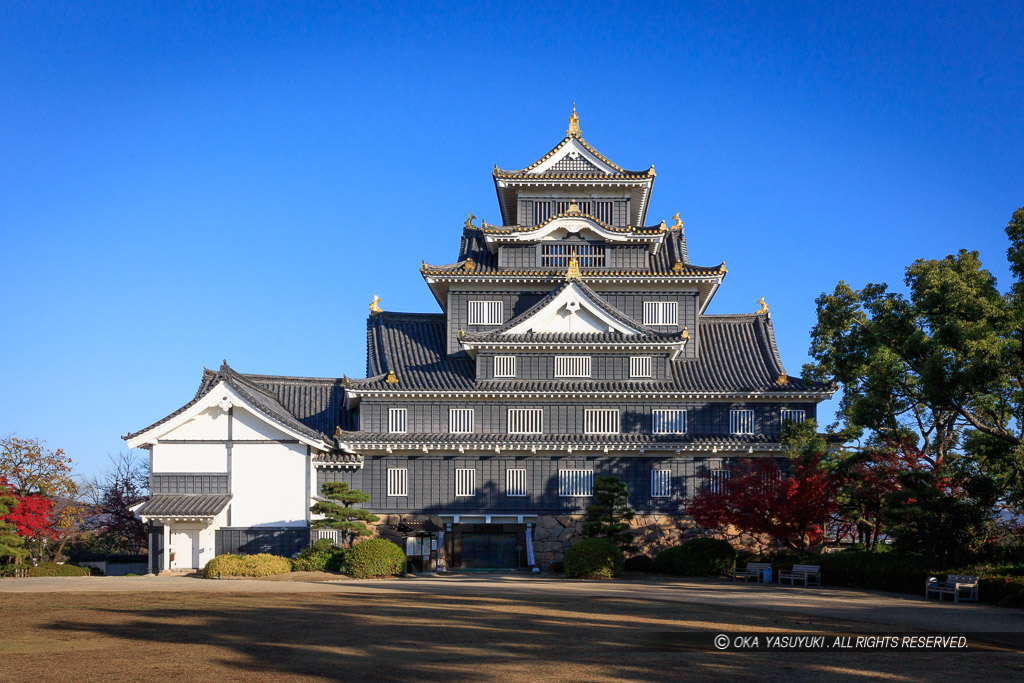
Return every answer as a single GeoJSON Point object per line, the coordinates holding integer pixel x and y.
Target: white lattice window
{"type": "Point", "coordinates": [661, 313]}
{"type": "Point", "coordinates": [504, 366]}
{"type": "Point", "coordinates": [398, 481]}
{"type": "Point", "coordinates": [525, 420]}
{"type": "Point", "coordinates": [465, 483]}
{"type": "Point", "coordinates": [661, 483]}
{"type": "Point", "coordinates": [741, 421]}
{"type": "Point", "coordinates": [572, 366]}
{"type": "Point", "coordinates": [717, 480]}
{"type": "Point", "coordinates": [640, 366]}
{"type": "Point", "coordinates": [398, 420]}
{"type": "Point", "coordinates": [460, 421]}
{"type": "Point", "coordinates": [558, 255]}
{"type": "Point", "coordinates": [485, 312]}
{"type": "Point", "coordinates": [515, 482]}
{"type": "Point", "coordinates": [541, 212]}
{"type": "Point", "coordinates": [604, 212]}
{"type": "Point", "coordinates": [575, 483]}
{"type": "Point", "coordinates": [668, 421]}
{"type": "Point", "coordinates": [793, 415]}
{"type": "Point", "coordinates": [601, 421]}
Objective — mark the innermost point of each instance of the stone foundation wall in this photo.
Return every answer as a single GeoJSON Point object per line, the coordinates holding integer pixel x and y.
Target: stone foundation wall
{"type": "Point", "coordinates": [554, 534]}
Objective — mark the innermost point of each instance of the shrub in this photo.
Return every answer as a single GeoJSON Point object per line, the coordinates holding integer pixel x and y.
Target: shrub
{"type": "Point", "coordinates": [376, 557]}
{"type": "Point", "coordinates": [321, 556]}
{"type": "Point", "coordinates": [246, 565]}
{"type": "Point", "coordinates": [54, 569]}
{"type": "Point", "coordinates": [593, 558]}
{"type": "Point", "coordinates": [639, 563]}
{"type": "Point", "coordinates": [697, 557]}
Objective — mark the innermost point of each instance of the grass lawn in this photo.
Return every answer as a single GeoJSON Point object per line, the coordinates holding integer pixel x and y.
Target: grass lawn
{"type": "Point", "coordinates": [370, 636]}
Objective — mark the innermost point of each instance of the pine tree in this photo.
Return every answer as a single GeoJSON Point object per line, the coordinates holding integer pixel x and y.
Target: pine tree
{"type": "Point", "coordinates": [610, 514]}
{"type": "Point", "coordinates": [10, 541]}
{"type": "Point", "coordinates": [350, 521]}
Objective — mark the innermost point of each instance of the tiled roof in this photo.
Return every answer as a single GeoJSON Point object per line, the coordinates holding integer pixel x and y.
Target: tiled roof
{"type": "Point", "coordinates": [184, 505]}
{"type": "Point", "coordinates": [646, 334]}
{"type": "Point", "coordinates": [631, 438]}
{"type": "Point", "coordinates": [620, 173]}
{"type": "Point", "coordinates": [647, 230]}
{"type": "Point", "coordinates": [338, 457]}
{"type": "Point", "coordinates": [737, 353]}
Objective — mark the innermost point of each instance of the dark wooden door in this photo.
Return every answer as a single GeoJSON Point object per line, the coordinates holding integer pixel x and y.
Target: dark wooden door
{"type": "Point", "coordinates": [489, 551]}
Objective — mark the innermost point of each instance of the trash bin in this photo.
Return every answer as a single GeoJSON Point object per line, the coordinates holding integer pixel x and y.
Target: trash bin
{"type": "Point", "coordinates": [766, 575]}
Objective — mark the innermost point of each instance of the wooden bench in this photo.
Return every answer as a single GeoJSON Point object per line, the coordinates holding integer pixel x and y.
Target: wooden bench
{"type": "Point", "coordinates": [810, 574]}
{"type": "Point", "coordinates": [960, 587]}
{"type": "Point", "coordinates": [754, 570]}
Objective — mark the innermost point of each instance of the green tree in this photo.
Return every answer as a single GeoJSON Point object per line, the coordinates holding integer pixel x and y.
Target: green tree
{"type": "Point", "coordinates": [339, 514]}
{"type": "Point", "coordinates": [610, 514]}
{"type": "Point", "coordinates": [10, 542]}
{"type": "Point", "coordinates": [942, 364]}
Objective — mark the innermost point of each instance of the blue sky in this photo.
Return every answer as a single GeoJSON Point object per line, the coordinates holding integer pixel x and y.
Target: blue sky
{"type": "Point", "coordinates": [182, 183]}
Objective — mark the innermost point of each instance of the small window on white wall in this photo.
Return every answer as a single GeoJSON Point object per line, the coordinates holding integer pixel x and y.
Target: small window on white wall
{"type": "Point", "coordinates": [741, 421]}
{"type": "Point", "coordinates": [504, 366]}
{"type": "Point", "coordinates": [460, 421]}
{"type": "Point", "coordinates": [661, 483]}
{"type": "Point", "coordinates": [398, 482]}
{"type": "Point", "coordinates": [465, 483]}
{"type": "Point", "coordinates": [485, 312]}
{"type": "Point", "coordinates": [640, 366]}
{"type": "Point", "coordinates": [398, 420]}
{"type": "Point", "coordinates": [661, 313]}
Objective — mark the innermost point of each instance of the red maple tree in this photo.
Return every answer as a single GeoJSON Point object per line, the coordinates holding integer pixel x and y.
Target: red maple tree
{"type": "Point", "coordinates": [759, 498]}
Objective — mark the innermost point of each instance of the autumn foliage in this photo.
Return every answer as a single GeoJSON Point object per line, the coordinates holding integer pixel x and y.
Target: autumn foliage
{"type": "Point", "coordinates": [759, 498]}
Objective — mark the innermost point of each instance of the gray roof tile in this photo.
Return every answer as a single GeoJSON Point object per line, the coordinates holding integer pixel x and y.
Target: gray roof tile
{"type": "Point", "coordinates": [184, 505]}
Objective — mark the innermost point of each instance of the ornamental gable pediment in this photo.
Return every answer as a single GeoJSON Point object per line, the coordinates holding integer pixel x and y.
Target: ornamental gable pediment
{"type": "Point", "coordinates": [573, 310]}
{"type": "Point", "coordinates": [573, 157]}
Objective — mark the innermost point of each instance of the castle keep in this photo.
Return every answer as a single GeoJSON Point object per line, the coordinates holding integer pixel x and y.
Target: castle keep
{"type": "Point", "coordinates": [572, 342]}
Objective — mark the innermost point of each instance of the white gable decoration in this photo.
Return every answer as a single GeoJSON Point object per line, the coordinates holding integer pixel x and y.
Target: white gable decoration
{"type": "Point", "coordinates": [571, 311]}
{"type": "Point", "coordinates": [573, 150]}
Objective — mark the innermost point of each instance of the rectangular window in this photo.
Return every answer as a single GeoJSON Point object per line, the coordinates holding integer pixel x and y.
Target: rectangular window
{"type": "Point", "coordinates": [563, 206]}
{"type": "Point", "coordinates": [398, 420]}
{"type": "Point", "coordinates": [398, 482]}
{"type": "Point", "coordinates": [504, 366]}
{"type": "Point", "coordinates": [741, 421]}
{"type": "Point", "coordinates": [572, 366]}
{"type": "Point", "coordinates": [668, 421]}
{"type": "Point", "coordinates": [601, 421]}
{"type": "Point", "coordinates": [525, 420]}
{"type": "Point", "coordinates": [515, 482]}
{"type": "Point", "coordinates": [541, 212]}
{"type": "Point", "coordinates": [575, 483]}
{"type": "Point", "coordinates": [604, 212]}
{"type": "Point", "coordinates": [717, 479]}
{"type": "Point", "coordinates": [485, 312]}
{"type": "Point", "coordinates": [460, 421]}
{"type": "Point", "coordinates": [661, 483]}
{"type": "Point", "coordinates": [465, 483]}
{"type": "Point", "coordinates": [558, 255]}
{"type": "Point", "coordinates": [791, 415]}
{"type": "Point", "coordinates": [640, 366]}
{"type": "Point", "coordinates": [661, 313]}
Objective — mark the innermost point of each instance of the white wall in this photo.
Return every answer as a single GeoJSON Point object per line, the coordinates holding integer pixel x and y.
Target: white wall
{"type": "Point", "coordinates": [248, 426]}
{"type": "Point", "coordinates": [180, 457]}
{"type": "Point", "coordinates": [268, 485]}
{"type": "Point", "coordinates": [209, 424]}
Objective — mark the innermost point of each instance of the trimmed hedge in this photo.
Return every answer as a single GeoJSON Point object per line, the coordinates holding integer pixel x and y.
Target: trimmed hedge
{"type": "Point", "coordinates": [54, 569]}
{"type": "Point", "coordinates": [593, 558]}
{"type": "Point", "coordinates": [639, 563]}
{"type": "Point", "coordinates": [246, 565]}
{"type": "Point", "coordinates": [373, 558]}
{"type": "Point", "coordinates": [321, 556]}
{"type": "Point", "coordinates": [697, 557]}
